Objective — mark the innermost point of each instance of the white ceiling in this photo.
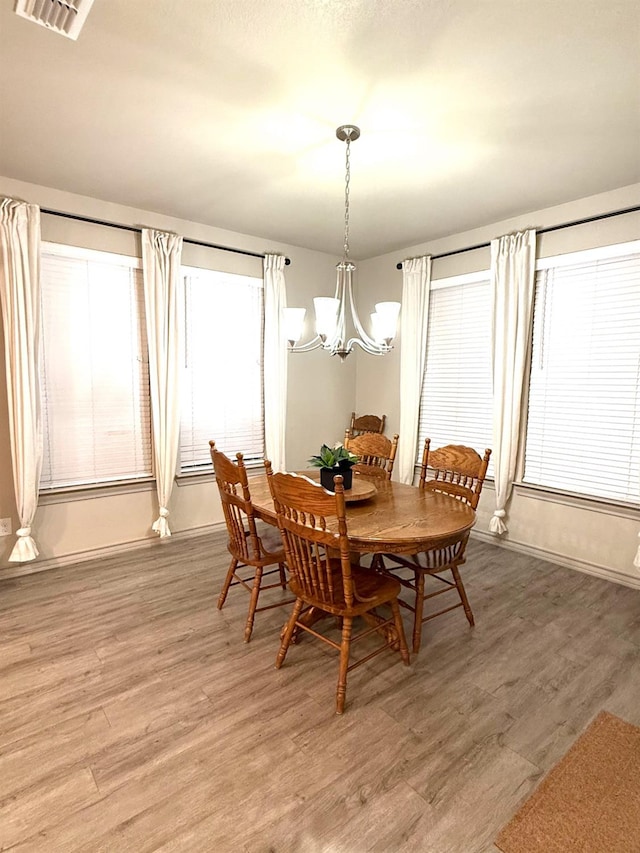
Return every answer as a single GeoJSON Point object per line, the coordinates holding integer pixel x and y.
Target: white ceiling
{"type": "Point", "coordinates": [224, 111]}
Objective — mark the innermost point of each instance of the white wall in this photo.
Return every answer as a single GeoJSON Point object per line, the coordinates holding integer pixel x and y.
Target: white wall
{"type": "Point", "coordinates": [321, 390]}
{"type": "Point", "coordinates": [586, 536]}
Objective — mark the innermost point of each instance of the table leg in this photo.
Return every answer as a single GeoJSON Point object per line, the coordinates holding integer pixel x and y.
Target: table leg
{"type": "Point", "coordinates": [388, 631]}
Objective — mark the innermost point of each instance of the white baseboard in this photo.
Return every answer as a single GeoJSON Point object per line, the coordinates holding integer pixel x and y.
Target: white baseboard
{"type": "Point", "coordinates": [559, 559]}
{"type": "Point", "coordinates": [84, 556]}
{"type": "Point", "coordinates": [31, 568]}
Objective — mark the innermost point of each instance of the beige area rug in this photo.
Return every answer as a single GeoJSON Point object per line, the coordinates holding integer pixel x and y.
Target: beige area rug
{"type": "Point", "coordinates": [589, 802]}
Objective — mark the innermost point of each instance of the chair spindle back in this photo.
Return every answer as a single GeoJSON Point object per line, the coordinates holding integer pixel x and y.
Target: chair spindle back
{"type": "Point", "coordinates": [376, 452]}
{"type": "Point", "coordinates": [233, 485]}
{"type": "Point", "coordinates": [455, 470]}
{"type": "Point", "coordinates": [313, 523]}
{"type": "Point", "coordinates": [366, 423]}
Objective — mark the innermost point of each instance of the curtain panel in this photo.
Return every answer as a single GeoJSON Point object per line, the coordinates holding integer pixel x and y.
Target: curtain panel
{"type": "Point", "coordinates": [275, 361]}
{"type": "Point", "coordinates": [20, 298]}
{"type": "Point", "coordinates": [416, 284]}
{"type": "Point", "coordinates": [513, 259]}
{"type": "Point", "coordinates": [161, 256]}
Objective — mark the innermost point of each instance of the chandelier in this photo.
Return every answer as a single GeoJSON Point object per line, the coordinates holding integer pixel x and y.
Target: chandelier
{"type": "Point", "coordinates": [335, 314]}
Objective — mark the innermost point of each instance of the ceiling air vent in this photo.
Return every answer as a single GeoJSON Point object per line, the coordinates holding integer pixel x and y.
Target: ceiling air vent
{"type": "Point", "coordinates": [62, 16]}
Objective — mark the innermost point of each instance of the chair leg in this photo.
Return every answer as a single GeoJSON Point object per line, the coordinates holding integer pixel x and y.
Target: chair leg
{"type": "Point", "coordinates": [283, 576]}
{"type": "Point", "coordinates": [253, 603]}
{"type": "Point", "coordinates": [397, 618]}
{"type": "Point", "coordinates": [345, 648]}
{"type": "Point", "coordinates": [463, 595]}
{"type": "Point", "coordinates": [417, 623]}
{"type": "Point", "coordinates": [227, 583]}
{"type": "Point", "coordinates": [288, 634]}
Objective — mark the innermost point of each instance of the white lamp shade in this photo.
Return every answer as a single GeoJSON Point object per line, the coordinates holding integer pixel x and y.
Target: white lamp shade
{"type": "Point", "coordinates": [326, 315]}
{"type": "Point", "coordinates": [385, 320]}
{"type": "Point", "coordinates": [375, 328]}
{"type": "Point", "coordinates": [292, 323]}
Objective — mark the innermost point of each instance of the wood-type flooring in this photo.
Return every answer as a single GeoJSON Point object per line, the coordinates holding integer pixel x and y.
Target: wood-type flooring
{"type": "Point", "coordinates": [134, 718]}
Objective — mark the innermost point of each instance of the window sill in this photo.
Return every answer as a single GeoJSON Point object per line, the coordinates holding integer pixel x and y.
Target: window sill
{"type": "Point", "coordinates": [103, 490]}
{"type": "Point", "coordinates": [204, 476]}
{"type": "Point", "coordinates": [592, 504]}
{"type": "Point", "coordinates": [188, 479]}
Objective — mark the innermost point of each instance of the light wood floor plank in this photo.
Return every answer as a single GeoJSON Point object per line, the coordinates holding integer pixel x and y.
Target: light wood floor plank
{"type": "Point", "coordinates": [134, 718]}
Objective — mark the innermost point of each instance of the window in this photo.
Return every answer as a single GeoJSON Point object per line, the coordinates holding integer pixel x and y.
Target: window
{"type": "Point", "coordinates": [456, 400]}
{"type": "Point", "coordinates": [95, 376]}
{"type": "Point", "coordinates": [583, 433]}
{"type": "Point", "coordinates": [95, 372]}
{"type": "Point", "coordinates": [222, 380]}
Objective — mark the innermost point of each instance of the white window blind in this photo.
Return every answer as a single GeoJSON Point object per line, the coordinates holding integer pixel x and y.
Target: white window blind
{"type": "Point", "coordinates": [456, 402]}
{"type": "Point", "coordinates": [95, 375]}
{"type": "Point", "coordinates": [583, 433]}
{"type": "Point", "coordinates": [222, 381]}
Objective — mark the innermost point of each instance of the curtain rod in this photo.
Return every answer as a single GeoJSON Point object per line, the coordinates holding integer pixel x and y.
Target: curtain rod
{"type": "Point", "coordinates": [539, 231]}
{"type": "Point", "coordinates": [139, 231]}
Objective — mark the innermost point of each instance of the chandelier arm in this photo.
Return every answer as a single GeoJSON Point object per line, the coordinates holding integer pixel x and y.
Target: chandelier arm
{"type": "Point", "coordinates": [340, 335]}
{"type": "Point", "coordinates": [367, 339]}
{"type": "Point", "coordinates": [314, 343]}
{"type": "Point", "coordinates": [371, 349]}
{"type": "Point", "coordinates": [336, 343]}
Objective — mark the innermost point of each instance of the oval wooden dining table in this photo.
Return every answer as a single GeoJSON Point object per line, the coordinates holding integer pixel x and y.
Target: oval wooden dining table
{"type": "Point", "coordinates": [396, 519]}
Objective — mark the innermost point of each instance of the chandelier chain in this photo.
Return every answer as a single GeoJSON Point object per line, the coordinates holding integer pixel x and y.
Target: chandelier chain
{"type": "Point", "coordinates": [347, 179]}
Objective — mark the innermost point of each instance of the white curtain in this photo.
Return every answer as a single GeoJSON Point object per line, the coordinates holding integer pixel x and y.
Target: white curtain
{"type": "Point", "coordinates": [20, 298]}
{"type": "Point", "coordinates": [513, 260]}
{"type": "Point", "coordinates": [161, 253]}
{"type": "Point", "coordinates": [416, 284]}
{"type": "Point", "coordinates": [275, 361]}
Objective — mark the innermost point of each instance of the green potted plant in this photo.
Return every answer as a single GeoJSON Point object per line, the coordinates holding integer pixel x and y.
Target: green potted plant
{"type": "Point", "coordinates": [334, 460]}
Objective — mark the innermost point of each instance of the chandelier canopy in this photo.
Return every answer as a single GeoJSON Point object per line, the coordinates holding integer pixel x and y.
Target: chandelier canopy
{"type": "Point", "coordinates": [334, 315]}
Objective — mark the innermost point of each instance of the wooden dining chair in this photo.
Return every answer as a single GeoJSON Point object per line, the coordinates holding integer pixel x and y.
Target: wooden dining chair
{"type": "Point", "coordinates": [323, 578]}
{"type": "Point", "coordinates": [458, 471]}
{"type": "Point", "coordinates": [377, 453]}
{"type": "Point", "coordinates": [366, 423]}
{"type": "Point", "coordinates": [249, 549]}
